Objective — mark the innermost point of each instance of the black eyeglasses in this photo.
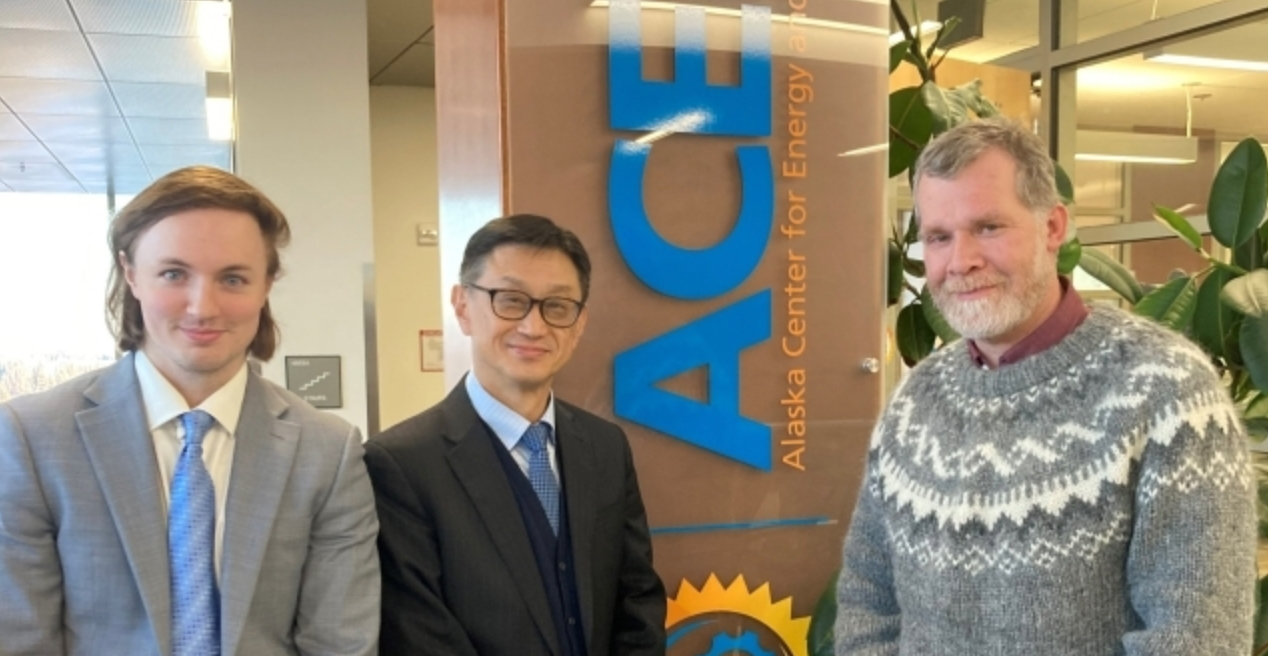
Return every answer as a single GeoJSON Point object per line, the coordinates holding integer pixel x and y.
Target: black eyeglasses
{"type": "Point", "coordinates": [514, 305]}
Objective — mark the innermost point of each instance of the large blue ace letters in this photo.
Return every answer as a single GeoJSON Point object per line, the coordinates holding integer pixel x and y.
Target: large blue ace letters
{"type": "Point", "coordinates": [688, 104]}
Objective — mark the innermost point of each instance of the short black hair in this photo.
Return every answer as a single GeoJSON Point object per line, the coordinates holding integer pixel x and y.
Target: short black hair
{"type": "Point", "coordinates": [524, 230]}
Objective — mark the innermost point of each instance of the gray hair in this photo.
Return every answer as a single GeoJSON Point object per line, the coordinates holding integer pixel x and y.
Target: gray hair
{"type": "Point", "coordinates": [960, 146]}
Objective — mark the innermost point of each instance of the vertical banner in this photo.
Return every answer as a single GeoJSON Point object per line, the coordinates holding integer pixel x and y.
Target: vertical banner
{"type": "Point", "coordinates": [737, 291]}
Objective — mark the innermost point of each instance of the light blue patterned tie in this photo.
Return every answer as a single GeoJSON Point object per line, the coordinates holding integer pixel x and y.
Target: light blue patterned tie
{"type": "Point", "coordinates": [539, 473]}
{"type": "Point", "coordinates": [191, 535]}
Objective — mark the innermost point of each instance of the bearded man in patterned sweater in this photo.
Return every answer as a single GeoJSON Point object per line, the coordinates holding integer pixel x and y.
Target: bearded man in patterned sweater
{"type": "Point", "coordinates": [1058, 482]}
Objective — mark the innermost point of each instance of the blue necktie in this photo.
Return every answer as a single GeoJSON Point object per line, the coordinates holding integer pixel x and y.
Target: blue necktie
{"type": "Point", "coordinates": [540, 475]}
{"type": "Point", "coordinates": [191, 536]}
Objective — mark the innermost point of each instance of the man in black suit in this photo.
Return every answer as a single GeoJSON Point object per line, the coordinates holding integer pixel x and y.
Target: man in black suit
{"type": "Point", "coordinates": [510, 521]}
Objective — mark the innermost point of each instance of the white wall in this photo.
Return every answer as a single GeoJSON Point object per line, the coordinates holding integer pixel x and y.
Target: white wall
{"type": "Point", "coordinates": [303, 112]}
{"type": "Point", "coordinates": [407, 276]}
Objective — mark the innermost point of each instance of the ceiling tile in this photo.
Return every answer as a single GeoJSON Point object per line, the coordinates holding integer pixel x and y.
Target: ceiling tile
{"type": "Point", "coordinates": [169, 130]}
{"type": "Point", "coordinates": [151, 59]}
{"type": "Point", "coordinates": [417, 68]}
{"type": "Point", "coordinates": [78, 154]}
{"type": "Point", "coordinates": [163, 159]}
{"type": "Point", "coordinates": [31, 152]}
{"type": "Point", "coordinates": [64, 186]}
{"type": "Point", "coordinates": [37, 15]}
{"type": "Point", "coordinates": [11, 129]}
{"type": "Point", "coordinates": [44, 54]}
{"type": "Point", "coordinates": [25, 95]}
{"type": "Point", "coordinates": [103, 129]}
{"type": "Point", "coordinates": [150, 17]}
{"type": "Point", "coordinates": [123, 185]}
{"type": "Point", "coordinates": [161, 100]}
{"type": "Point", "coordinates": [14, 173]}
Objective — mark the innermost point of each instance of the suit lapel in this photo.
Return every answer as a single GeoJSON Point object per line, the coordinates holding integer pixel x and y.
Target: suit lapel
{"type": "Point", "coordinates": [576, 465]}
{"type": "Point", "coordinates": [116, 436]}
{"type": "Point", "coordinates": [473, 461]}
{"type": "Point", "coordinates": [264, 448]}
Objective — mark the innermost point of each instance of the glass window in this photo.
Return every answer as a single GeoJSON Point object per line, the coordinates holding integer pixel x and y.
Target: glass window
{"type": "Point", "coordinates": [94, 105]}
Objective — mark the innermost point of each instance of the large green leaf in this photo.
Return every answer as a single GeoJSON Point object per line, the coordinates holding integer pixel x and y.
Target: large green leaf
{"type": "Point", "coordinates": [894, 279]}
{"type": "Point", "coordinates": [968, 98]}
{"type": "Point", "coordinates": [1065, 187]}
{"type": "Point", "coordinates": [896, 54]}
{"type": "Point", "coordinates": [1255, 350]}
{"type": "Point", "coordinates": [914, 267]}
{"type": "Point", "coordinates": [1109, 271]}
{"type": "Point", "coordinates": [935, 98]}
{"type": "Point", "coordinates": [1172, 304]}
{"type": "Point", "coordinates": [1239, 194]}
{"type": "Point", "coordinates": [1250, 255]}
{"type": "Point", "coordinates": [1179, 225]}
{"type": "Point", "coordinates": [819, 640]}
{"type": "Point", "coordinates": [1248, 294]}
{"type": "Point", "coordinates": [1257, 408]}
{"type": "Point", "coordinates": [915, 336]}
{"type": "Point", "coordinates": [910, 123]}
{"type": "Point", "coordinates": [1213, 320]}
{"type": "Point", "coordinates": [934, 316]}
{"type": "Point", "coordinates": [1068, 257]}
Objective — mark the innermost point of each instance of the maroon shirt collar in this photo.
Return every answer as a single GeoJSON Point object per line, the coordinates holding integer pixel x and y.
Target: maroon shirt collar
{"type": "Point", "coordinates": [1069, 314]}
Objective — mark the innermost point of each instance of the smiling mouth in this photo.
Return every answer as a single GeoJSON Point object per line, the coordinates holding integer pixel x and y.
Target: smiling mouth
{"type": "Point", "coordinates": [201, 336]}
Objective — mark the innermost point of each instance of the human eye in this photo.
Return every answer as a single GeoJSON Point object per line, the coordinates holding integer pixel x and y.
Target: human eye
{"type": "Point", "coordinates": [172, 275]}
{"type": "Point", "coordinates": [558, 308]}
{"type": "Point", "coordinates": [512, 301]}
{"type": "Point", "coordinates": [235, 280]}
{"type": "Point", "coordinates": [934, 238]}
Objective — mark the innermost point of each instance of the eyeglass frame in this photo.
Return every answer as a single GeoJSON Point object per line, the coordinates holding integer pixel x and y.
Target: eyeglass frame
{"type": "Point", "coordinates": [539, 302]}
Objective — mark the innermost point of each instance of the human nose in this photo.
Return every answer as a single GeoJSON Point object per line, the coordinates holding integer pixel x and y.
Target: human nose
{"type": "Point", "coordinates": [202, 301]}
{"type": "Point", "coordinates": [533, 323]}
{"type": "Point", "coordinates": [966, 256]}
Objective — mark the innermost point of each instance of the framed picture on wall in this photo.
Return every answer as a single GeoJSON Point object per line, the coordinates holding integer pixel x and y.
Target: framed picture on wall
{"type": "Point", "coordinates": [431, 350]}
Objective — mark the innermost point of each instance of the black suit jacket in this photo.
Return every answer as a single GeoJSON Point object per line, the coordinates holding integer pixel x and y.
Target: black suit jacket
{"type": "Point", "coordinates": [458, 570]}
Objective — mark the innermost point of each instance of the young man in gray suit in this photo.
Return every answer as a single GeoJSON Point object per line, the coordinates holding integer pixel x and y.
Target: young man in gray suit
{"type": "Point", "coordinates": [176, 502]}
{"type": "Point", "coordinates": [512, 523]}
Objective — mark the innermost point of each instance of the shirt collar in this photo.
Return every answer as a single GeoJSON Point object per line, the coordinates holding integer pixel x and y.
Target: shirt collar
{"type": "Point", "coordinates": [507, 424]}
{"type": "Point", "coordinates": [163, 402]}
{"type": "Point", "coordinates": [1070, 312]}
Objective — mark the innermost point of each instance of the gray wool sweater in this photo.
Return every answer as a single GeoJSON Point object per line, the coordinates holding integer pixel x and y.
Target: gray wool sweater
{"type": "Point", "coordinates": [1095, 498]}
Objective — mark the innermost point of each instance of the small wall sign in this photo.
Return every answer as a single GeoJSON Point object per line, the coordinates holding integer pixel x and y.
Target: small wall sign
{"type": "Point", "coordinates": [316, 379]}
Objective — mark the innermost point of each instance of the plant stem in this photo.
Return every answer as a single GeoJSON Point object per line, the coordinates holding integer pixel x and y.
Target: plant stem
{"type": "Point", "coordinates": [918, 57]}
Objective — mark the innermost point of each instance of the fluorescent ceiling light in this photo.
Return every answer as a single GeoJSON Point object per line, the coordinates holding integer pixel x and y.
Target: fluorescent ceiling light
{"type": "Point", "coordinates": [214, 33]}
{"type": "Point", "coordinates": [1135, 147]}
{"type": "Point", "coordinates": [926, 28]}
{"type": "Point", "coordinates": [219, 106]}
{"type": "Point", "coordinates": [1207, 62]}
{"type": "Point", "coordinates": [736, 13]}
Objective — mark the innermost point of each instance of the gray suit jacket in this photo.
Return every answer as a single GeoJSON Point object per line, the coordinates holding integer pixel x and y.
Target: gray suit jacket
{"type": "Point", "coordinates": [83, 537]}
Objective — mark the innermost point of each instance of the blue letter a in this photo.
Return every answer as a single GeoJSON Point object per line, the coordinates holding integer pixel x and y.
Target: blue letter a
{"type": "Point", "coordinates": [714, 341]}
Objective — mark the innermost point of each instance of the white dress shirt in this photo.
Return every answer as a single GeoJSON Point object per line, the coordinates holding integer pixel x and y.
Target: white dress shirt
{"type": "Point", "coordinates": [163, 407]}
{"type": "Point", "coordinates": [509, 426]}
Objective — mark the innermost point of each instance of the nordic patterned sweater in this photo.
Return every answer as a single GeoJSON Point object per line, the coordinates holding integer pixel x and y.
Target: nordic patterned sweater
{"type": "Point", "coordinates": [1094, 498]}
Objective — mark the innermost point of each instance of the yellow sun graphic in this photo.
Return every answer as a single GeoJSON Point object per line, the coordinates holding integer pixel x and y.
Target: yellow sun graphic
{"type": "Point", "coordinates": [736, 598]}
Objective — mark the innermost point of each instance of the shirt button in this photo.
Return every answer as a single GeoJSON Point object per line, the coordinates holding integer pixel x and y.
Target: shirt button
{"type": "Point", "coordinates": [562, 567]}
{"type": "Point", "coordinates": [572, 620]}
